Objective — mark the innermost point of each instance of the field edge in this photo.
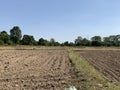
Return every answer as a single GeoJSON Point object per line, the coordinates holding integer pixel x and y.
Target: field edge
{"type": "Point", "coordinates": [88, 77]}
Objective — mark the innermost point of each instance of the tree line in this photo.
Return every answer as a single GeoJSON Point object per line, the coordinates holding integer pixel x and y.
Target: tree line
{"type": "Point", "coordinates": [15, 38]}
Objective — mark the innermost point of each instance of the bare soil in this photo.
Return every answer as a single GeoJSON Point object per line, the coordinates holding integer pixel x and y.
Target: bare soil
{"type": "Point", "coordinates": [36, 70]}
{"type": "Point", "coordinates": [105, 61]}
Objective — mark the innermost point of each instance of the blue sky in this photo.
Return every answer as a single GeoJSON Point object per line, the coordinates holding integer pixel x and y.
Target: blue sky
{"type": "Point", "coordinates": [61, 19]}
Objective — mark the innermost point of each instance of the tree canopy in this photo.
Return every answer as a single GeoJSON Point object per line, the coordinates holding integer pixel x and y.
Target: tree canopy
{"type": "Point", "coordinates": [15, 38]}
{"type": "Point", "coordinates": [15, 34]}
{"type": "Point", "coordinates": [28, 40]}
{"type": "Point", "coordinates": [96, 41]}
{"type": "Point", "coordinates": [5, 38]}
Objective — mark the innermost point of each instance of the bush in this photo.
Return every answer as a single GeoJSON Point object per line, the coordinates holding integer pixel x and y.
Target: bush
{"type": "Point", "coordinates": [1, 42]}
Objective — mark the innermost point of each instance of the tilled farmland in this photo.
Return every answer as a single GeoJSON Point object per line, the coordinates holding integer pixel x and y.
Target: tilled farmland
{"type": "Point", "coordinates": [35, 70]}
{"type": "Point", "coordinates": [105, 61]}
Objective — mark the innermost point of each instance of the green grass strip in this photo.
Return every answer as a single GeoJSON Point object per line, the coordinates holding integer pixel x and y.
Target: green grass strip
{"type": "Point", "coordinates": [88, 77]}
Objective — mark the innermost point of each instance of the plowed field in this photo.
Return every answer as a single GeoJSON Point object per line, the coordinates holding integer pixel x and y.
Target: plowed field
{"type": "Point", "coordinates": [105, 61]}
{"type": "Point", "coordinates": [35, 70]}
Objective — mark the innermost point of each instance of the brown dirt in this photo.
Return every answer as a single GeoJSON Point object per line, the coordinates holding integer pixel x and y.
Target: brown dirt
{"type": "Point", "coordinates": [35, 70]}
{"type": "Point", "coordinates": [105, 61]}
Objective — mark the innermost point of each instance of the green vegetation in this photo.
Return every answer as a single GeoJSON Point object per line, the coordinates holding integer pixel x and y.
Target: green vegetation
{"type": "Point", "coordinates": [28, 40]}
{"type": "Point", "coordinates": [15, 35]}
{"type": "Point", "coordinates": [96, 41]}
{"type": "Point", "coordinates": [16, 38]}
{"type": "Point", "coordinates": [4, 38]}
{"type": "Point", "coordinates": [43, 42]}
{"type": "Point", "coordinates": [88, 77]}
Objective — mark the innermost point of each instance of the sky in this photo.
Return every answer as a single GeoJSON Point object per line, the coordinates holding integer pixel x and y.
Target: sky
{"type": "Point", "coordinates": [63, 20]}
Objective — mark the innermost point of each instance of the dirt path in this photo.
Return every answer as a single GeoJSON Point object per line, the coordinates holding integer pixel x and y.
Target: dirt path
{"type": "Point", "coordinates": [35, 70]}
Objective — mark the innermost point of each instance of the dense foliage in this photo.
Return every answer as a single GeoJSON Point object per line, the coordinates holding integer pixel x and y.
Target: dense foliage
{"type": "Point", "coordinates": [28, 40]}
{"type": "Point", "coordinates": [15, 35]}
{"type": "Point", "coordinates": [15, 38]}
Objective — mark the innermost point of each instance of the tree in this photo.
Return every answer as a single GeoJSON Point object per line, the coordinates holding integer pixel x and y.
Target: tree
{"type": "Point", "coordinates": [113, 40]}
{"type": "Point", "coordinates": [1, 42]}
{"type": "Point", "coordinates": [5, 38]}
{"type": "Point", "coordinates": [43, 42]}
{"type": "Point", "coordinates": [78, 41]}
{"type": "Point", "coordinates": [71, 44]}
{"type": "Point", "coordinates": [15, 34]}
{"type": "Point", "coordinates": [96, 41]}
{"type": "Point", "coordinates": [117, 40]}
{"type": "Point", "coordinates": [106, 41]}
{"type": "Point", "coordinates": [85, 42]}
{"type": "Point", "coordinates": [57, 44]}
{"type": "Point", "coordinates": [66, 43]}
{"type": "Point", "coordinates": [52, 42]}
{"type": "Point", "coordinates": [3, 32]}
{"type": "Point", "coordinates": [28, 40]}
{"type": "Point", "coordinates": [96, 38]}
